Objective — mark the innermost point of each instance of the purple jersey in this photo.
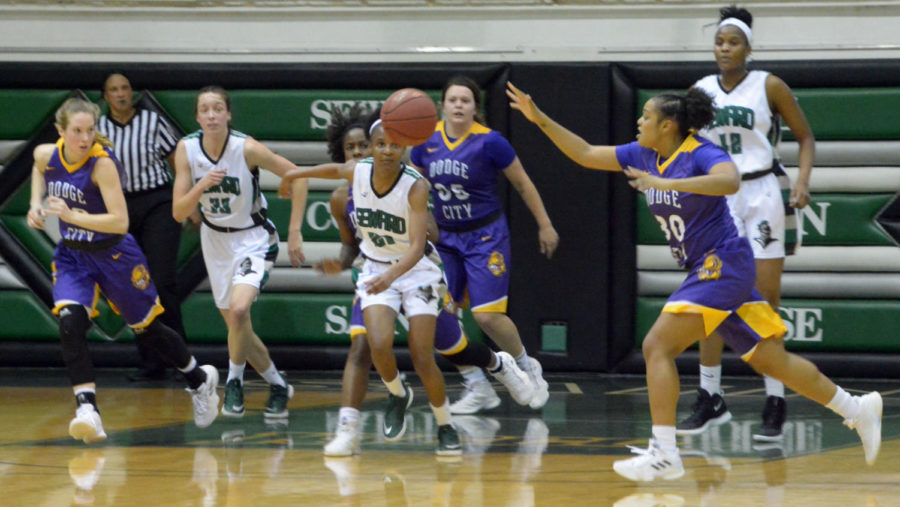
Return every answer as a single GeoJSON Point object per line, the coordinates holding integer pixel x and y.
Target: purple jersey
{"type": "Point", "coordinates": [693, 224]}
{"type": "Point", "coordinates": [463, 174]}
{"type": "Point", "coordinates": [72, 183]}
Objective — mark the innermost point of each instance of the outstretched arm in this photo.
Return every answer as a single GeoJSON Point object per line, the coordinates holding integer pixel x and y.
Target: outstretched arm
{"type": "Point", "coordinates": [547, 236]}
{"type": "Point", "coordinates": [573, 146]}
{"type": "Point", "coordinates": [330, 171]}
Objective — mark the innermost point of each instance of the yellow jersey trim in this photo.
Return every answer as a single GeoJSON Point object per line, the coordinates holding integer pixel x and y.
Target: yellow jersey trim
{"type": "Point", "coordinates": [712, 317]}
{"type": "Point", "coordinates": [95, 151]}
{"type": "Point", "coordinates": [476, 128]}
{"type": "Point", "coordinates": [690, 144]}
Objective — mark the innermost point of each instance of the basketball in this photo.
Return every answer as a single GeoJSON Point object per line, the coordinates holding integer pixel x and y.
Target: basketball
{"type": "Point", "coordinates": [408, 116]}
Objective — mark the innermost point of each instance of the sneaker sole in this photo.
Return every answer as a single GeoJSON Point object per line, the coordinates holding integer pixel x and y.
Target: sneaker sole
{"type": "Point", "coordinates": [233, 415]}
{"type": "Point", "coordinates": [715, 421]}
{"type": "Point", "coordinates": [540, 398]}
{"type": "Point", "coordinates": [449, 452]}
{"type": "Point", "coordinates": [494, 403]}
{"type": "Point", "coordinates": [85, 432]}
{"type": "Point", "coordinates": [670, 476]}
{"type": "Point", "coordinates": [759, 437]}
{"type": "Point", "coordinates": [878, 404]}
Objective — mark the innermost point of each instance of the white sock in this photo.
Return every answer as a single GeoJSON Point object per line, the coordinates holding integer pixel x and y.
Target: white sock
{"type": "Point", "coordinates": [774, 387]}
{"type": "Point", "coordinates": [348, 415]}
{"type": "Point", "coordinates": [395, 386]}
{"type": "Point", "coordinates": [472, 374]}
{"type": "Point", "coordinates": [843, 404]}
{"type": "Point", "coordinates": [522, 360]}
{"type": "Point", "coordinates": [273, 377]}
{"type": "Point", "coordinates": [442, 413]}
{"type": "Point", "coordinates": [665, 437]}
{"type": "Point", "coordinates": [711, 379]}
{"type": "Point", "coordinates": [236, 371]}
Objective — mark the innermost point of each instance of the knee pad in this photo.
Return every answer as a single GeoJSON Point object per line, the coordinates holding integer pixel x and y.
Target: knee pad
{"type": "Point", "coordinates": [73, 327]}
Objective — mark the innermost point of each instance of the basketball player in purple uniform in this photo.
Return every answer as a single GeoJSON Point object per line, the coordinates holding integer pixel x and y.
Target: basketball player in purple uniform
{"type": "Point", "coordinates": [81, 176]}
{"type": "Point", "coordinates": [463, 160]}
{"type": "Point", "coordinates": [685, 179]}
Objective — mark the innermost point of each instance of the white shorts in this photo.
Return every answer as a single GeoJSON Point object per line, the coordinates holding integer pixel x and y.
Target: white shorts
{"type": "Point", "coordinates": [420, 291]}
{"type": "Point", "coordinates": [242, 257]}
{"type": "Point", "coordinates": [758, 212]}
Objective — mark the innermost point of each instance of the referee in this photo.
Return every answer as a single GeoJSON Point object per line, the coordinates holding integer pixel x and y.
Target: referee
{"type": "Point", "coordinates": [143, 142]}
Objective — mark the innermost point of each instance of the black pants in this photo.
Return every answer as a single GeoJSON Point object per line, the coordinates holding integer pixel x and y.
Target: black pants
{"type": "Point", "coordinates": [158, 234]}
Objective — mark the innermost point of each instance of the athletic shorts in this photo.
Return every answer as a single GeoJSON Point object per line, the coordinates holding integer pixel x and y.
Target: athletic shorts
{"type": "Point", "coordinates": [119, 273]}
{"type": "Point", "coordinates": [419, 291]}
{"type": "Point", "coordinates": [449, 337]}
{"type": "Point", "coordinates": [758, 212]}
{"type": "Point", "coordinates": [720, 287]}
{"type": "Point", "coordinates": [241, 257]}
{"type": "Point", "coordinates": [478, 261]}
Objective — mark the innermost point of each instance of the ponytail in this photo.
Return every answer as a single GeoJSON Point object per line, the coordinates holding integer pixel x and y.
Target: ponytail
{"type": "Point", "coordinates": [692, 111]}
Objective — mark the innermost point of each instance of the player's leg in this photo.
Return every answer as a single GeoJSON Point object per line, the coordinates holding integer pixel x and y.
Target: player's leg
{"type": "Point", "coordinates": [354, 383]}
{"type": "Point", "coordinates": [487, 271]}
{"type": "Point", "coordinates": [451, 342]}
{"type": "Point", "coordinates": [74, 292]}
{"type": "Point", "coordinates": [709, 408]}
{"type": "Point", "coordinates": [244, 343]}
{"type": "Point", "coordinates": [670, 335]}
{"type": "Point", "coordinates": [125, 280]}
{"type": "Point", "coordinates": [380, 318]}
{"type": "Point", "coordinates": [768, 283]}
{"type": "Point", "coordinates": [862, 413]}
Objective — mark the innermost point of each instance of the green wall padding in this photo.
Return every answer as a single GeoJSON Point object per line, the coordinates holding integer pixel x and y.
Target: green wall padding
{"type": "Point", "coordinates": [24, 317]}
{"type": "Point", "coordinates": [22, 112]}
{"type": "Point", "coordinates": [819, 325]}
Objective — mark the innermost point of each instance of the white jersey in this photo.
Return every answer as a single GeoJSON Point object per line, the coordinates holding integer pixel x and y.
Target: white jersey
{"type": "Point", "coordinates": [234, 202]}
{"type": "Point", "coordinates": [744, 126]}
{"type": "Point", "coordinates": [382, 220]}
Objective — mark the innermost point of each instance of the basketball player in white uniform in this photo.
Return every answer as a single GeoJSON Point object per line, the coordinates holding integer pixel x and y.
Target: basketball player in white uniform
{"type": "Point", "coordinates": [218, 168]}
{"type": "Point", "coordinates": [751, 105]}
{"type": "Point", "coordinates": [391, 216]}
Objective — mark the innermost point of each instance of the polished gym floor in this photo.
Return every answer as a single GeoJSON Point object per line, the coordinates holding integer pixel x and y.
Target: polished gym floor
{"type": "Point", "coordinates": [559, 456]}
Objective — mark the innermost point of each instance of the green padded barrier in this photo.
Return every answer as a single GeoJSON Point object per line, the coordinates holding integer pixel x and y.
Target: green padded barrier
{"type": "Point", "coordinates": [830, 220]}
{"type": "Point", "coordinates": [188, 246]}
{"type": "Point", "coordinates": [20, 202]}
{"type": "Point", "coordinates": [35, 241]}
{"type": "Point", "coordinates": [819, 325]}
{"type": "Point", "coordinates": [317, 222]}
{"type": "Point", "coordinates": [289, 115]}
{"type": "Point", "coordinates": [838, 114]}
{"type": "Point", "coordinates": [310, 319]}
{"type": "Point", "coordinates": [22, 112]}
{"type": "Point", "coordinates": [24, 317]}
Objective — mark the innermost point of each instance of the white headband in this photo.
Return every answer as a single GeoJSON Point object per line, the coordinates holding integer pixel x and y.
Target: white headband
{"type": "Point", "coordinates": [375, 124]}
{"type": "Point", "coordinates": [741, 25]}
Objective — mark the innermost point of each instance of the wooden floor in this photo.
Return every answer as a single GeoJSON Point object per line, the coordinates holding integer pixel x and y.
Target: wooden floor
{"type": "Point", "coordinates": [560, 456]}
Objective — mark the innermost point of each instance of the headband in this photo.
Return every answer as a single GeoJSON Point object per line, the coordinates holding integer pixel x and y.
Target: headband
{"type": "Point", "coordinates": [375, 124]}
{"type": "Point", "coordinates": [744, 27]}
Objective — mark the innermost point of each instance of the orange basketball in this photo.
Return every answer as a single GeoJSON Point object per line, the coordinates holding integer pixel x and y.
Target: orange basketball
{"type": "Point", "coordinates": [408, 116]}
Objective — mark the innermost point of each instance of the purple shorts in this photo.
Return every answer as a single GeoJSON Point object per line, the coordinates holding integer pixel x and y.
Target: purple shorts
{"type": "Point", "coordinates": [478, 261]}
{"type": "Point", "coordinates": [720, 287]}
{"type": "Point", "coordinates": [449, 337]}
{"type": "Point", "coordinates": [119, 272]}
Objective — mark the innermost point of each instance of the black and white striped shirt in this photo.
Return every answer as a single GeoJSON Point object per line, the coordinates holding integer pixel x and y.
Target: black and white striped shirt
{"type": "Point", "coordinates": [142, 146]}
